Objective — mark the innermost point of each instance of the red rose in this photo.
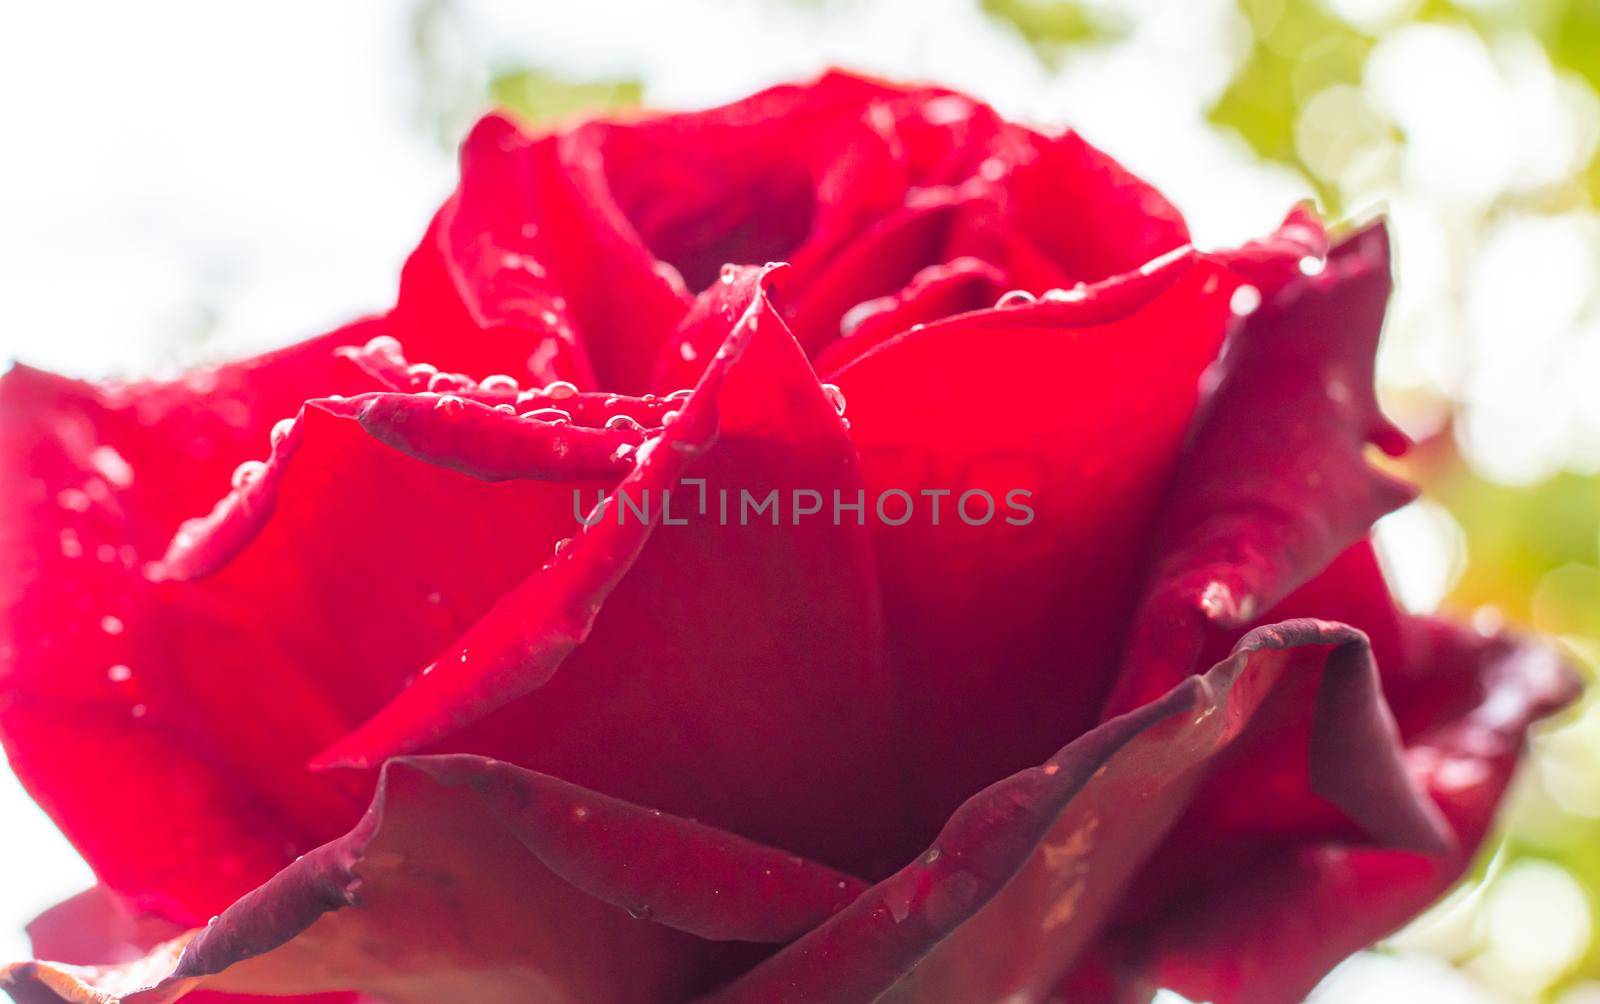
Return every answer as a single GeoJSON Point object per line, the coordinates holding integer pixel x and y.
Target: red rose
{"type": "Point", "coordinates": [1089, 745]}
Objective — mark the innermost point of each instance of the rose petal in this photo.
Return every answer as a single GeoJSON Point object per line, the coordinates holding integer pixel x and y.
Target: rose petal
{"type": "Point", "coordinates": [483, 292]}
{"type": "Point", "coordinates": [429, 899]}
{"type": "Point", "coordinates": [1275, 925]}
{"type": "Point", "coordinates": [1005, 633]}
{"type": "Point", "coordinates": [704, 328]}
{"type": "Point", "coordinates": [493, 445]}
{"type": "Point", "coordinates": [1075, 215]}
{"type": "Point", "coordinates": [685, 688]}
{"type": "Point", "coordinates": [1025, 872]}
{"type": "Point", "coordinates": [218, 757]}
{"type": "Point", "coordinates": [933, 294]}
{"type": "Point", "coordinates": [1275, 481]}
{"type": "Point", "coordinates": [96, 926]}
{"type": "Point", "coordinates": [883, 259]}
{"type": "Point", "coordinates": [102, 473]}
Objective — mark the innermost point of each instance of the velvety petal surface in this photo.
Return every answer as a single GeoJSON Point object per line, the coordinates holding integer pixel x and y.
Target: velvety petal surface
{"type": "Point", "coordinates": [1267, 929]}
{"type": "Point", "coordinates": [1018, 883]}
{"type": "Point", "coordinates": [1276, 481]}
{"type": "Point", "coordinates": [429, 897]}
{"type": "Point", "coordinates": [1077, 407]}
{"type": "Point", "coordinates": [769, 711]}
{"type": "Point", "coordinates": [100, 474]}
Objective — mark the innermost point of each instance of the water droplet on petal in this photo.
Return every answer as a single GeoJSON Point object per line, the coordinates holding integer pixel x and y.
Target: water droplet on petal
{"type": "Point", "coordinates": [1015, 298]}
{"type": "Point", "coordinates": [385, 344]}
{"type": "Point", "coordinates": [248, 473]}
{"type": "Point", "coordinates": [498, 382]}
{"type": "Point", "coordinates": [835, 397]}
{"type": "Point", "coordinates": [1245, 300]}
{"type": "Point", "coordinates": [449, 404]}
{"type": "Point", "coordinates": [111, 465]}
{"type": "Point", "coordinates": [687, 351]}
{"type": "Point", "coordinates": [580, 812]}
{"type": "Point", "coordinates": [119, 674]}
{"type": "Point", "coordinates": [670, 417]}
{"type": "Point", "coordinates": [73, 500]}
{"type": "Point", "coordinates": [679, 395]}
{"type": "Point", "coordinates": [1312, 265]}
{"type": "Point", "coordinates": [623, 422]}
{"type": "Point", "coordinates": [931, 856]}
{"type": "Point", "coordinates": [281, 430]}
{"type": "Point", "coordinates": [559, 390]}
{"type": "Point", "coordinates": [509, 409]}
{"type": "Point", "coordinates": [729, 273]}
{"type": "Point", "coordinates": [521, 261]}
{"type": "Point", "coordinates": [138, 711]}
{"type": "Point", "coordinates": [647, 448]}
{"type": "Point", "coordinates": [1073, 295]}
{"type": "Point", "coordinates": [442, 382]}
{"type": "Point", "coordinates": [555, 416]}
{"type": "Point", "coordinates": [642, 912]}
{"type": "Point", "coordinates": [421, 372]}
{"type": "Point", "coordinates": [111, 625]}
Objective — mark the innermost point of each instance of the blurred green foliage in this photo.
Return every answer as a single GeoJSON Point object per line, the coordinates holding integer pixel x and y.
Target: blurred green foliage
{"type": "Point", "coordinates": [540, 96]}
{"type": "Point", "coordinates": [1296, 50]}
{"type": "Point", "coordinates": [1052, 27]}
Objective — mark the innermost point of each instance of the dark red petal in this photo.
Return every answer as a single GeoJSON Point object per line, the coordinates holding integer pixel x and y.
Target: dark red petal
{"type": "Point", "coordinates": [1275, 481]}
{"type": "Point", "coordinates": [96, 928]}
{"type": "Point", "coordinates": [684, 356]}
{"type": "Point", "coordinates": [476, 439]}
{"type": "Point", "coordinates": [882, 260]}
{"type": "Point", "coordinates": [767, 711]}
{"type": "Point", "coordinates": [474, 880]}
{"type": "Point", "coordinates": [1272, 928]}
{"type": "Point", "coordinates": [1296, 248]}
{"type": "Point", "coordinates": [1025, 872]}
{"type": "Point", "coordinates": [532, 629]}
{"type": "Point", "coordinates": [197, 703]}
{"type": "Point", "coordinates": [787, 173]}
{"type": "Point", "coordinates": [1076, 215]}
{"type": "Point", "coordinates": [495, 283]}
{"type": "Point", "coordinates": [1004, 633]}
{"type": "Point", "coordinates": [101, 475]}
{"type": "Point", "coordinates": [933, 294]}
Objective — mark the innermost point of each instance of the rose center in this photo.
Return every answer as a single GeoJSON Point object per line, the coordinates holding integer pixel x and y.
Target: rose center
{"type": "Point", "coordinates": [697, 208]}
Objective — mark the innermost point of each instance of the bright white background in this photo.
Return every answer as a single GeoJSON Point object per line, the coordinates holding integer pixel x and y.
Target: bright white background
{"type": "Point", "coordinates": [184, 180]}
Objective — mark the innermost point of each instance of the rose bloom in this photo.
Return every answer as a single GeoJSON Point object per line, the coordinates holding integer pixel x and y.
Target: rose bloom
{"type": "Point", "coordinates": [390, 722]}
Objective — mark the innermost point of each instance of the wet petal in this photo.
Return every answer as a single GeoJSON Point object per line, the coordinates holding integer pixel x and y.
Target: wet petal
{"type": "Point", "coordinates": [428, 899]}
{"type": "Point", "coordinates": [1024, 874]}
{"type": "Point", "coordinates": [1275, 482]}
{"type": "Point", "coordinates": [1005, 630]}
{"type": "Point", "coordinates": [1075, 215]}
{"type": "Point", "coordinates": [933, 294]}
{"type": "Point", "coordinates": [767, 711]}
{"type": "Point", "coordinates": [1273, 926]}
{"type": "Point", "coordinates": [103, 473]}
